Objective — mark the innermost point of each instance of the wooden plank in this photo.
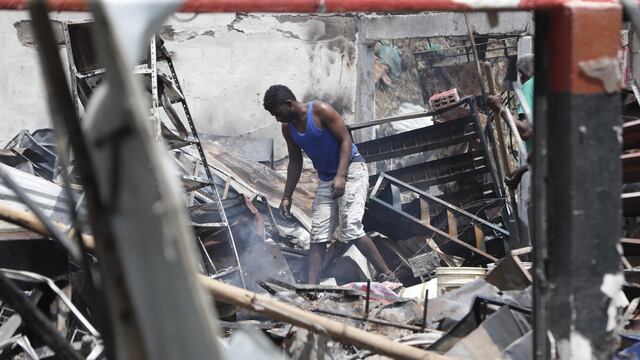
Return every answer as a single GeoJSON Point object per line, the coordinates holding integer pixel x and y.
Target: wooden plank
{"type": "Point", "coordinates": [225, 193]}
{"type": "Point", "coordinates": [453, 224]}
{"type": "Point", "coordinates": [479, 235]}
{"type": "Point", "coordinates": [424, 211]}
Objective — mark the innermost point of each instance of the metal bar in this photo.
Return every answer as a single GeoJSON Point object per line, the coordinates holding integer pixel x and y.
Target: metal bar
{"type": "Point", "coordinates": [35, 320]}
{"type": "Point", "coordinates": [224, 272]}
{"type": "Point", "coordinates": [366, 319]}
{"type": "Point", "coordinates": [441, 202]}
{"type": "Point", "coordinates": [424, 311]}
{"type": "Point", "coordinates": [366, 305]}
{"type": "Point", "coordinates": [419, 140]}
{"type": "Point", "coordinates": [320, 6]}
{"type": "Point", "coordinates": [464, 101]}
{"type": "Point", "coordinates": [435, 230]}
{"type": "Point", "coordinates": [73, 72]}
{"type": "Point", "coordinates": [439, 54]}
{"type": "Point", "coordinates": [206, 254]}
{"type": "Point", "coordinates": [467, 164]}
{"type": "Point", "coordinates": [476, 59]}
{"type": "Point", "coordinates": [466, 47]}
{"type": "Point", "coordinates": [390, 119]}
{"type": "Point", "coordinates": [207, 170]}
{"type": "Point", "coordinates": [155, 101]}
{"type": "Point", "coordinates": [497, 119]}
{"type": "Point", "coordinates": [30, 276]}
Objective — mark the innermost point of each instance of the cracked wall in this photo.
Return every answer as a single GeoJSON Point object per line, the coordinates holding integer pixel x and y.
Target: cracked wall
{"type": "Point", "coordinates": [225, 63]}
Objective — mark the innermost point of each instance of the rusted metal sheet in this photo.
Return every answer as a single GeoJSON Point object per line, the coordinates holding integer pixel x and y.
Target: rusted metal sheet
{"type": "Point", "coordinates": [320, 6]}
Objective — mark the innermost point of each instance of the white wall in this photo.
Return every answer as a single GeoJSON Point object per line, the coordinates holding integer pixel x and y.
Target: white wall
{"type": "Point", "coordinates": [225, 62]}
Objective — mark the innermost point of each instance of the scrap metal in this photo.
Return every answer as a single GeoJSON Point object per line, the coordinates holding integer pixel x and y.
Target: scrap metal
{"type": "Point", "coordinates": [576, 108]}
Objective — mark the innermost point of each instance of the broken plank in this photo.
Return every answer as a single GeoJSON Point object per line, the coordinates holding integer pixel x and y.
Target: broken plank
{"type": "Point", "coordinates": [225, 193]}
{"type": "Point", "coordinates": [424, 211]}
{"type": "Point", "coordinates": [479, 235]}
{"type": "Point", "coordinates": [453, 224]}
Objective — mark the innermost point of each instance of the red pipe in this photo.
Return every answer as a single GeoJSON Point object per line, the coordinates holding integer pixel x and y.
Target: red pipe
{"type": "Point", "coordinates": [331, 6]}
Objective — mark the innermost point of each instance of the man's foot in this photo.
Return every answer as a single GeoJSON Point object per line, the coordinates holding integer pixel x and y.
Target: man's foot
{"type": "Point", "coordinates": [390, 277]}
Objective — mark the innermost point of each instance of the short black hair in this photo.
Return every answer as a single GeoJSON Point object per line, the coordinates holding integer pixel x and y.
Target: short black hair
{"type": "Point", "coordinates": [277, 95]}
{"type": "Point", "coordinates": [525, 65]}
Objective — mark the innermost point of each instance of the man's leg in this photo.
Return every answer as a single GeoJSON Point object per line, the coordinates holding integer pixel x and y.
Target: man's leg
{"type": "Point", "coordinates": [370, 251]}
{"type": "Point", "coordinates": [324, 220]}
{"type": "Point", "coordinates": [316, 258]}
{"type": "Point", "coordinates": [351, 212]}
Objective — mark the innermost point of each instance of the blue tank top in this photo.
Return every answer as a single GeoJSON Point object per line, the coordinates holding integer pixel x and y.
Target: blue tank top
{"type": "Point", "coordinates": [320, 146]}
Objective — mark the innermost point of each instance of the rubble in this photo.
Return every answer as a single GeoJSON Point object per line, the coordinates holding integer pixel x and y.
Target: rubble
{"type": "Point", "coordinates": [144, 239]}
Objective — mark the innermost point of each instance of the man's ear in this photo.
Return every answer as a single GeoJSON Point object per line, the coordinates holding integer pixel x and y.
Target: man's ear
{"type": "Point", "coordinates": [290, 104]}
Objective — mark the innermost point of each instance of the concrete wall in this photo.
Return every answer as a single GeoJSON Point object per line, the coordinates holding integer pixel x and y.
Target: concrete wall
{"type": "Point", "coordinates": [225, 62]}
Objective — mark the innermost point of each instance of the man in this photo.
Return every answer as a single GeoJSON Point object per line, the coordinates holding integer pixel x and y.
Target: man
{"type": "Point", "coordinates": [525, 66]}
{"type": "Point", "coordinates": [341, 194]}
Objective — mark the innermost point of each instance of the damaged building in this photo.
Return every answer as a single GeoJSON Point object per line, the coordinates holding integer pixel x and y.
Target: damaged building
{"type": "Point", "coordinates": [148, 211]}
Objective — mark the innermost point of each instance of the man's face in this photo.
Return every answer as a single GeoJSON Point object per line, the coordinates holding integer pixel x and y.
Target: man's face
{"type": "Point", "coordinates": [285, 113]}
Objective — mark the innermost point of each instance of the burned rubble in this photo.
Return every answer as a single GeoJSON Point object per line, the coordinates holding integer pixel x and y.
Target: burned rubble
{"type": "Point", "coordinates": [127, 233]}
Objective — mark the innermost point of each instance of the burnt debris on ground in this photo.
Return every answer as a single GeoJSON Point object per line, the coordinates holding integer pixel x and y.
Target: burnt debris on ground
{"type": "Point", "coordinates": [126, 233]}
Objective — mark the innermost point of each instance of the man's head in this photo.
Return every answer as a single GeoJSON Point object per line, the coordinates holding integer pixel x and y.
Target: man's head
{"type": "Point", "coordinates": [279, 102]}
{"type": "Point", "coordinates": [525, 67]}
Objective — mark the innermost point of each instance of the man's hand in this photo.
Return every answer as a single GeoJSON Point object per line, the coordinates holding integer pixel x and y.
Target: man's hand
{"type": "Point", "coordinates": [285, 207]}
{"type": "Point", "coordinates": [337, 187]}
{"type": "Point", "coordinates": [494, 103]}
{"type": "Point", "coordinates": [513, 179]}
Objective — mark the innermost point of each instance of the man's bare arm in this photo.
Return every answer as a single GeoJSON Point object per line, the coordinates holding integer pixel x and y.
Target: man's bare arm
{"type": "Point", "coordinates": [294, 168]}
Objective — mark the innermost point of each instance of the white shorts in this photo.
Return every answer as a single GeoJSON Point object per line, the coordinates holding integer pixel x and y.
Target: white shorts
{"type": "Point", "coordinates": [346, 211]}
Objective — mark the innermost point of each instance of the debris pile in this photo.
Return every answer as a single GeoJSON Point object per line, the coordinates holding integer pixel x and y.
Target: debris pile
{"type": "Point", "coordinates": [103, 255]}
{"type": "Point", "coordinates": [445, 310]}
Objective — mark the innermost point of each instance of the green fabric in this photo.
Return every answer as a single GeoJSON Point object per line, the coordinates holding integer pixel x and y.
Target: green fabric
{"type": "Point", "coordinates": [529, 145]}
{"type": "Point", "coordinates": [527, 91]}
